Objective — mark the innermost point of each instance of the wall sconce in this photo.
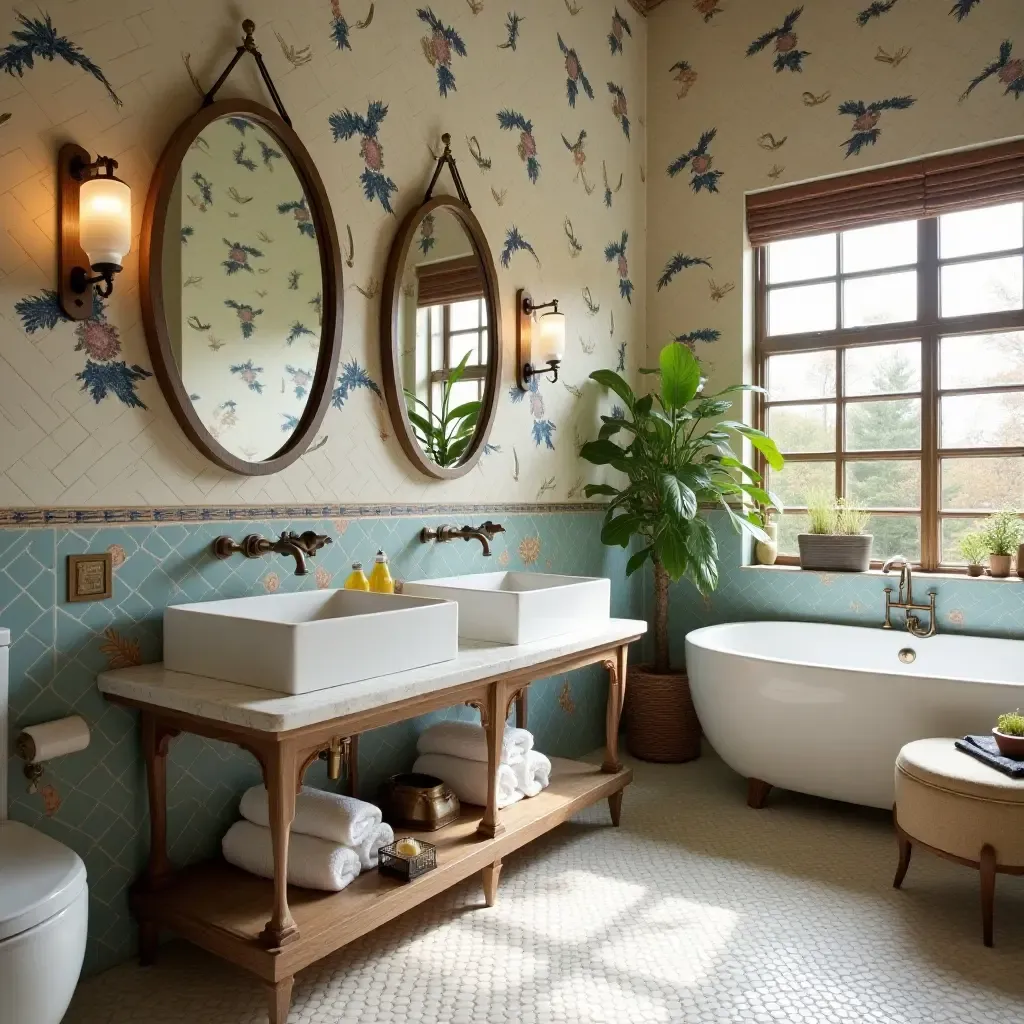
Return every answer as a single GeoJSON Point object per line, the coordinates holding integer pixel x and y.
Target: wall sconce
{"type": "Point", "coordinates": [94, 225]}
{"type": "Point", "coordinates": [540, 344]}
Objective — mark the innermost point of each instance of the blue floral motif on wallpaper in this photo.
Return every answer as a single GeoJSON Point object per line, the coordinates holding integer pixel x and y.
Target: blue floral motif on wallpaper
{"type": "Point", "coordinates": [238, 257]}
{"type": "Point", "coordinates": [289, 423]}
{"type": "Point", "coordinates": [438, 47]}
{"type": "Point", "coordinates": [268, 155]}
{"type": "Point", "coordinates": [679, 263]}
{"type": "Point", "coordinates": [512, 28]}
{"type": "Point", "coordinates": [616, 252]}
{"type": "Point", "coordinates": [103, 374]}
{"type": "Point", "coordinates": [962, 8]}
{"type": "Point", "coordinates": [707, 9]}
{"type": "Point", "coordinates": [353, 378]}
{"type": "Point", "coordinates": [339, 27]}
{"type": "Point", "coordinates": [510, 120]}
{"type": "Point", "coordinates": [514, 242]}
{"type": "Point", "coordinates": [298, 330]}
{"type": "Point", "coordinates": [246, 316]}
{"type": "Point", "coordinates": [699, 161]}
{"type": "Point", "coordinates": [240, 124]}
{"type": "Point", "coordinates": [620, 362]}
{"type": "Point", "coordinates": [205, 192]}
{"type": "Point", "coordinates": [346, 125]}
{"type": "Point", "coordinates": [38, 38]}
{"type": "Point", "coordinates": [875, 10]}
{"type": "Point", "coordinates": [293, 280]}
{"type": "Point", "coordinates": [542, 433]}
{"type": "Point", "coordinates": [301, 379]}
{"type": "Point", "coordinates": [187, 231]}
{"type": "Point", "coordinates": [300, 211]}
{"type": "Point", "coordinates": [543, 429]}
{"type": "Point", "coordinates": [241, 159]}
{"type": "Point", "coordinates": [577, 78]}
{"type": "Point", "coordinates": [427, 240]}
{"type": "Point", "coordinates": [1009, 72]}
{"type": "Point", "coordinates": [708, 335]}
{"type": "Point", "coordinates": [250, 374]}
{"type": "Point", "coordinates": [620, 27]}
{"type": "Point", "coordinates": [866, 117]}
{"type": "Point", "coordinates": [787, 56]}
{"type": "Point", "coordinates": [682, 73]}
{"type": "Point", "coordinates": [619, 107]}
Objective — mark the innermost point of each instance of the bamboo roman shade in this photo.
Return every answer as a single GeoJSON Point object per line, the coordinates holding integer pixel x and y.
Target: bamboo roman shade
{"type": "Point", "coordinates": [922, 188]}
{"type": "Point", "coordinates": [449, 281]}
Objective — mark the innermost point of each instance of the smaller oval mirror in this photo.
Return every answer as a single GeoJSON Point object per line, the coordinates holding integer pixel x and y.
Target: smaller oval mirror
{"type": "Point", "coordinates": [441, 344]}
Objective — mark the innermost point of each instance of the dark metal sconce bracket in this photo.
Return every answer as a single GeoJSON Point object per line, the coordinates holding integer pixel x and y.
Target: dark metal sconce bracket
{"type": "Point", "coordinates": [447, 158]}
{"type": "Point", "coordinates": [248, 45]}
{"type": "Point", "coordinates": [525, 370]}
{"type": "Point", "coordinates": [73, 282]}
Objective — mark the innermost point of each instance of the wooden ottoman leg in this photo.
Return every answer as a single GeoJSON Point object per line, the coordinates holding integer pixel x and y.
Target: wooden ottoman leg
{"type": "Point", "coordinates": [905, 851]}
{"type": "Point", "coordinates": [280, 1000]}
{"type": "Point", "coordinates": [757, 793]}
{"type": "Point", "coordinates": [615, 807]}
{"type": "Point", "coordinates": [988, 890]}
{"type": "Point", "coordinates": [491, 872]}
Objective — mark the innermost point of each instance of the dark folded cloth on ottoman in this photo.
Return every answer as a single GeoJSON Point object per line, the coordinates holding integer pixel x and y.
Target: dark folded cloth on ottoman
{"type": "Point", "coordinates": [985, 749]}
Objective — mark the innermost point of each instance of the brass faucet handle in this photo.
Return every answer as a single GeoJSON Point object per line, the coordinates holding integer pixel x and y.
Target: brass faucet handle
{"type": "Point", "coordinates": [492, 529]}
{"type": "Point", "coordinates": [313, 542]}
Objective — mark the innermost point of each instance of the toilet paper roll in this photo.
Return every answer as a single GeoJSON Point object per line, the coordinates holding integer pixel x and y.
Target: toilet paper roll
{"type": "Point", "coordinates": [48, 740]}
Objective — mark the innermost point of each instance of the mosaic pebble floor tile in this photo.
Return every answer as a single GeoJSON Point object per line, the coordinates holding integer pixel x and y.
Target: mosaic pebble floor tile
{"type": "Point", "coordinates": [697, 910]}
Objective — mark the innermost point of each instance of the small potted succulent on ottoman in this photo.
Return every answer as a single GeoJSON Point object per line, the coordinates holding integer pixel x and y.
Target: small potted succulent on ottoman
{"type": "Point", "coordinates": [1003, 532]}
{"type": "Point", "coordinates": [1009, 734]}
{"type": "Point", "coordinates": [974, 548]}
{"type": "Point", "coordinates": [836, 540]}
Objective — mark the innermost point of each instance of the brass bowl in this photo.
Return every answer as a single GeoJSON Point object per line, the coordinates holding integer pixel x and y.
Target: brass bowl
{"type": "Point", "coordinates": [419, 802]}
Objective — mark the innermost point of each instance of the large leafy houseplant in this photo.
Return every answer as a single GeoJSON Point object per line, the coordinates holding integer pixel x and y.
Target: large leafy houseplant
{"type": "Point", "coordinates": [675, 460]}
{"type": "Point", "coordinates": [444, 436]}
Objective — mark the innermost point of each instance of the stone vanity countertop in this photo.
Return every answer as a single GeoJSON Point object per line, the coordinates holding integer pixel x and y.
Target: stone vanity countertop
{"type": "Point", "coordinates": [269, 711]}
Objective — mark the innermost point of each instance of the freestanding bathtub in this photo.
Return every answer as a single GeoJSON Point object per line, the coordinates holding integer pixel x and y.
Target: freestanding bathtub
{"type": "Point", "coordinates": [824, 709]}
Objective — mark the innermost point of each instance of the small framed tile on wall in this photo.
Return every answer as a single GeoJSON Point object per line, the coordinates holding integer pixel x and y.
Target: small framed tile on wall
{"type": "Point", "coordinates": [90, 577]}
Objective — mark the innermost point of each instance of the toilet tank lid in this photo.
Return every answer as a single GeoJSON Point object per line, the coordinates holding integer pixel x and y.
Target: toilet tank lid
{"type": "Point", "coordinates": [40, 877]}
{"type": "Point", "coordinates": [5, 637]}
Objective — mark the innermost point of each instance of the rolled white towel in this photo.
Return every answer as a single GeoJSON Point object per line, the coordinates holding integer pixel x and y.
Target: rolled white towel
{"type": "Point", "coordinates": [312, 863]}
{"type": "Point", "coordinates": [469, 741]}
{"type": "Point", "coordinates": [534, 774]}
{"type": "Point", "coordinates": [368, 851]}
{"type": "Point", "coordinates": [468, 779]}
{"type": "Point", "coordinates": [331, 816]}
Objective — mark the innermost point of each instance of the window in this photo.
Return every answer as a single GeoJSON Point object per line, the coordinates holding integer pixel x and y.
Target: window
{"type": "Point", "coordinates": [893, 358]}
{"type": "Point", "coordinates": [455, 329]}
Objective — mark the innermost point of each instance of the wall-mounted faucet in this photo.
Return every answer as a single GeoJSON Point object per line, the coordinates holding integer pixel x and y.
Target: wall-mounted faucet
{"type": "Point", "coordinates": [484, 533]}
{"type": "Point", "coordinates": [298, 546]}
{"type": "Point", "coordinates": [905, 600]}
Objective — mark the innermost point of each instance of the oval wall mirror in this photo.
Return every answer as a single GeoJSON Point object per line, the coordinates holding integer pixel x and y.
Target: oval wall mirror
{"type": "Point", "coordinates": [242, 287]}
{"type": "Point", "coordinates": [441, 337]}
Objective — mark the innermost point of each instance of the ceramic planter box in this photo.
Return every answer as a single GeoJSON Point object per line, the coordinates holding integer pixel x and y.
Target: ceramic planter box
{"type": "Point", "coordinates": [835, 552]}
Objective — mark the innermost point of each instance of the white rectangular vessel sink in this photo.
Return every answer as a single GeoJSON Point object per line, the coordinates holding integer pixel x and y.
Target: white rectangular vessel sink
{"type": "Point", "coordinates": [295, 643]}
{"type": "Point", "coordinates": [520, 607]}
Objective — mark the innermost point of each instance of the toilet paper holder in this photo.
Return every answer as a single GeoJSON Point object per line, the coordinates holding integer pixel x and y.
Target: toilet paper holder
{"type": "Point", "coordinates": [37, 744]}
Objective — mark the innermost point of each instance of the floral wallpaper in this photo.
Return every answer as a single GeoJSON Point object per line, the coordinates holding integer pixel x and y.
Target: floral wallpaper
{"type": "Point", "coordinates": [370, 88]}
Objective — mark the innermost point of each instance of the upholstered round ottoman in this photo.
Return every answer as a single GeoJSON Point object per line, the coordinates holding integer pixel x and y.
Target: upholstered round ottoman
{"type": "Point", "coordinates": [953, 805]}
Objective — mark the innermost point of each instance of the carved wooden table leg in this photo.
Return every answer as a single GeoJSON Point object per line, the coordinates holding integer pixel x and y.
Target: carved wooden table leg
{"type": "Point", "coordinates": [491, 873]}
{"type": "Point", "coordinates": [987, 864]}
{"type": "Point", "coordinates": [615, 807]}
{"type": "Point", "coordinates": [521, 707]}
{"type": "Point", "coordinates": [905, 849]}
{"type": "Point", "coordinates": [493, 720]}
{"type": "Point", "coordinates": [282, 775]}
{"type": "Point", "coordinates": [280, 996]}
{"type": "Point", "coordinates": [616, 695]}
{"type": "Point", "coordinates": [352, 766]}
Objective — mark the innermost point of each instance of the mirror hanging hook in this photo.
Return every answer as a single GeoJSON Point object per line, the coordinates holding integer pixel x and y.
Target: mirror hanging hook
{"type": "Point", "coordinates": [447, 158]}
{"type": "Point", "coordinates": [248, 45]}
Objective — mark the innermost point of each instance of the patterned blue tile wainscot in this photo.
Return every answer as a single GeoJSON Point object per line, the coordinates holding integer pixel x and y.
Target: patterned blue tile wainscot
{"type": "Point", "coordinates": [95, 801]}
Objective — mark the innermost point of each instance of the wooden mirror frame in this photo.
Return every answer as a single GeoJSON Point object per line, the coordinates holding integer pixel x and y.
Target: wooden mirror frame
{"type": "Point", "coordinates": [152, 290]}
{"type": "Point", "coordinates": [389, 341]}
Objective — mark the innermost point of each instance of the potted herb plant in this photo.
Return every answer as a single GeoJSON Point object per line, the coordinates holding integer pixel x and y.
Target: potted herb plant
{"type": "Point", "coordinates": [1009, 734]}
{"type": "Point", "coordinates": [974, 549]}
{"type": "Point", "coordinates": [673, 461]}
{"type": "Point", "coordinates": [1003, 532]}
{"type": "Point", "coordinates": [836, 540]}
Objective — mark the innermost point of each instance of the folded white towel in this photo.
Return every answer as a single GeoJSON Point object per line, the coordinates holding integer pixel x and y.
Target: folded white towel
{"type": "Point", "coordinates": [534, 774]}
{"type": "Point", "coordinates": [331, 816]}
{"type": "Point", "coordinates": [368, 851]}
{"type": "Point", "coordinates": [312, 863]}
{"type": "Point", "coordinates": [468, 779]}
{"type": "Point", "coordinates": [469, 741]}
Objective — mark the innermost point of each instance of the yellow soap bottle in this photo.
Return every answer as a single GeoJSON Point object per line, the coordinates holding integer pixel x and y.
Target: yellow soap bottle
{"type": "Point", "coordinates": [357, 578]}
{"type": "Point", "coordinates": [380, 578]}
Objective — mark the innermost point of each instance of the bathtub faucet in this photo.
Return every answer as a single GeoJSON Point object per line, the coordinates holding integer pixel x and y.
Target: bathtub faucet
{"type": "Point", "coordinates": [905, 600]}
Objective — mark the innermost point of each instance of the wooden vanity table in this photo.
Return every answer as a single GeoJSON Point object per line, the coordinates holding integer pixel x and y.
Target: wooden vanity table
{"type": "Point", "coordinates": [274, 930]}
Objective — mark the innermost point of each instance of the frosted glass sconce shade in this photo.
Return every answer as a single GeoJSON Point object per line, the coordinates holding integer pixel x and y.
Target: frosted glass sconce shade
{"type": "Point", "coordinates": [105, 220]}
{"type": "Point", "coordinates": [540, 342]}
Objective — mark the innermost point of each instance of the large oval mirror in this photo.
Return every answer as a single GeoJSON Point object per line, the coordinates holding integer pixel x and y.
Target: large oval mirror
{"type": "Point", "coordinates": [241, 287]}
{"type": "Point", "coordinates": [441, 337]}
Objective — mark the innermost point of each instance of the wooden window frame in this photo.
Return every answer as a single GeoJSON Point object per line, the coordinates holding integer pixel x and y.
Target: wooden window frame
{"type": "Point", "coordinates": [928, 328]}
{"type": "Point", "coordinates": [474, 371]}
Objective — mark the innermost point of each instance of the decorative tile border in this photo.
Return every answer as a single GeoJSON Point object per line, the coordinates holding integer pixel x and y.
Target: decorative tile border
{"type": "Point", "coordinates": [143, 516]}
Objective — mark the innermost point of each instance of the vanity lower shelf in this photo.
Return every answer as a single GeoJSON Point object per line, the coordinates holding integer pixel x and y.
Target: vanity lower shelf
{"type": "Point", "coordinates": [224, 910]}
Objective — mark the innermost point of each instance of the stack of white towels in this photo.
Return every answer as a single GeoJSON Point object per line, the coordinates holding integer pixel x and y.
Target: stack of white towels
{"type": "Point", "coordinates": [333, 838]}
{"type": "Point", "coordinates": [456, 752]}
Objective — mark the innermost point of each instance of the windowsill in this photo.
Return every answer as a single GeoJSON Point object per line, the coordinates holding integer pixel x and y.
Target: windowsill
{"type": "Point", "coordinates": [918, 574]}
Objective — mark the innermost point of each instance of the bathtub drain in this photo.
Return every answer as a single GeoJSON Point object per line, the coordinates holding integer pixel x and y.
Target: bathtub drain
{"type": "Point", "coordinates": [908, 655]}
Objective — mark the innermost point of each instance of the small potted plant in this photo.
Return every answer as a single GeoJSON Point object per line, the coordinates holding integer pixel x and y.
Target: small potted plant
{"type": "Point", "coordinates": [1009, 734]}
{"type": "Point", "coordinates": [836, 540]}
{"type": "Point", "coordinates": [1003, 532]}
{"type": "Point", "coordinates": [767, 551]}
{"type": "Point", "coordinates": [974, 549]}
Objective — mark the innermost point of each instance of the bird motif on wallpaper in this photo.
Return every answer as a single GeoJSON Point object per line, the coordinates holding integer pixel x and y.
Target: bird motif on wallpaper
{"type": "Point", "coordinates": [196, 324]}
{"type": "Point", "coordinates": [511, 120]}
{"type": "Point", "coordinates": [345, 124]}
{"type": "Point", "coordinates": [475, 6]}
{"type": "Point", "coordinates": [238, 257]}
{"type": "Point", "coordinates": [608, 190]}
{"type": "Point", "coordinates": [787, 56]}
{"type": "Point", "coordinates": [719, 291]}
{"type": "Point", "coordinates": [699, 161]}
{"type": "Point", "coordinates": [683, 73]}
{"type": "Point", "coordinates": [875, 10]}
{"type": "Point", "coordinates": [679, 263]}
{"type": "Point", "coordinates": [576, 77]}
{"type": "Point", "coordinates": [438, 48]}
{"type": "Point", "coordinates": [708, 335]}
{"type": "Point", "coordinates": [300, 211]}
{"type": "Point", "coordinates": [1009, 72]}
{"type": "Point", "coordinates": [339, 27]}
{"type": "Point", "coordinates": [615, 252]}
{"type": "Point", "coordinates": [575, 245]}
{"type": "Point", "coordinates": [769, 142]}
{"type": "Point", "coordinates": [579, 159]}
{"type": "Point", "coordinates": [499, 197]}
{"type": "Point", "coordinates": [353, 378]}
{"type": "Point", "coordinates": [512, 24]}
{"type": "Point", "coordinates": [866, 117]}
{"type": "Point", "coordinates": [250, 374]}
{"type": "Point", "coordinates": [620, 363]}
{"type": "Point", "coordinates": [236, 196]}
{"type": "Point", "coordinates": [572, 7]}
{"type": "Point", "coordinates": [815, 100]}
{"type": "Point", "coordinates": [293, 280]}
{"type": "Point", "coordinates": [620, 28]}
{"type": "Point", "coordinates": [366, 22]}
{"type": "Point", "coordinates": [619, 107]}
{"type": "Point", "coordinates": [707, 9]}
{"type": "Point", "coordinates": [962, 8]}
{"type": "Point", "coordinates": [297, 56]}
{"type": "Point", "coordinates": [593, 308]}
{"type": "Point", "coordinates": [246, 316]}
{"type": "Point", "coordinates": [514, 242]}
{"type": "Point", "coordinates": [894, 59]}
{"type": "Point", "coordinates": [482, 162]}
{"type": "Point", "coordinates": [776, 171]}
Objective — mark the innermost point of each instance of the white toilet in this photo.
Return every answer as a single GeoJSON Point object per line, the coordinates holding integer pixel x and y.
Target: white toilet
{"type": "Point", "coordinates": [44, 907]}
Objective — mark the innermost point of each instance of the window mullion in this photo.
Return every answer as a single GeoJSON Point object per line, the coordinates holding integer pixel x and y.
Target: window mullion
{"type": "Point", "coordinates": [928, 312]}
{"type": "Point", "coordinates": [840, 389]}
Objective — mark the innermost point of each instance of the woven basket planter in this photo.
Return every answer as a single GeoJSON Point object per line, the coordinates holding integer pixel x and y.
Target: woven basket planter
{"type": "Point", "coordinates": [662, 724]}
{"type": "Point", "coordinates": [836, 552]}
